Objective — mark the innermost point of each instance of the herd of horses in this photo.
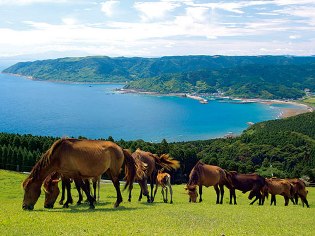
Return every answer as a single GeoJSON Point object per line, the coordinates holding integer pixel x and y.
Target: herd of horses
{"type": "Point", "coordinates": [84, 160]}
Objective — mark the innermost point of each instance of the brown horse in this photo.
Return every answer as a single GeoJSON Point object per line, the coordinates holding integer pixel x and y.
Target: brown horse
{"type": "Point", "coordinates": [52, 190]}
{"type": "Point", "coordinates": [81, 159]}
{"type": "Point", "coordinates": [276, 186]}
{"type": "Point", "coordinates": [153, 164]}
{"type": "Point", "coordinates": [246, 182]}
{"type": "Point", "coordinates": [207, 175]}
{"type": "Point", "coordinates": [299, 191]}
{"type": "Point", "coordinates": [164, 180]}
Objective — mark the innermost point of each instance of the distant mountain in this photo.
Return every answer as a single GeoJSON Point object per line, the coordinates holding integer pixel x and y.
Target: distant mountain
{"type": "Point", "coordinates": [243, 76]}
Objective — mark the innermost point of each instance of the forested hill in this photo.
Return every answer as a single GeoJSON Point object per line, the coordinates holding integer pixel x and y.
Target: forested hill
{"type": "Point", "coordinates": [283, 148]}
{"type": "Point", "coordinates": [243, 76]}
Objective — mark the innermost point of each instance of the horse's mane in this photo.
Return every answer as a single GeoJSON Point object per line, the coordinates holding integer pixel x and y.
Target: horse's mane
{"type": "Point", "coordinates": [194, 174]}
{"type": "Point", "coordinates": [164, 161]}
{"type": "Point", "coordinates": [44, 161]}
{"type": "Point", "coordinates": [167, 162]}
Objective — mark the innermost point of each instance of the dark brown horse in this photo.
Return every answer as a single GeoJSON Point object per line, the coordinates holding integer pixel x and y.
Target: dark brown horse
{"type": "Point", "coordinates": [299, 191]}
{"type": "Point", "coordinates": [246, 182]}
{"type": "Point", "coordinates": [153, 163]}
{"type": "Point", "coordinates": [207, 175]}
{"type": "Point", "coordinates": [81, 159]}
{"type": "Point", "coordinates": [276, 186]}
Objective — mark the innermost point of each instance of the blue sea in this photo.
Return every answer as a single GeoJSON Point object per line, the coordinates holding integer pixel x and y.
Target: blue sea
{"type": "Point", "coordinates": [97, 111]}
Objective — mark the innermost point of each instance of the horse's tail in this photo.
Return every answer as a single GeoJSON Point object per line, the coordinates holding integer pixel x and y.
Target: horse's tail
{"type": "Point", "coordinates": [167, 162]}
{"type": "Point", "coordinates": [228, 179]}
{"type": "Point", "coordinates": [134, 168]}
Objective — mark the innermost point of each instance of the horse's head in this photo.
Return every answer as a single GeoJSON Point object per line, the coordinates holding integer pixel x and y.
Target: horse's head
{"type": "Point", "coordinates": [31, 193]}
{"type": "Point", "coordinates": [192, 192]}
{"type": "Point", "coordinates": [143, 182]}
{"type": "Point", "coordinates": [51, 190]}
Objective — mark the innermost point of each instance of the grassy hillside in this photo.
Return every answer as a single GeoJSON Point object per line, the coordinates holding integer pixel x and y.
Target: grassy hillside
{"type": "Point", "coordinates": [243, 76]}
{"type": "Point", "coordinates": [141, 218]}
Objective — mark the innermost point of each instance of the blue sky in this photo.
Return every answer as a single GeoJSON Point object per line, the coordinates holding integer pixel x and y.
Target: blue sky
{"type": "Point", "coordinates": [156, 28]}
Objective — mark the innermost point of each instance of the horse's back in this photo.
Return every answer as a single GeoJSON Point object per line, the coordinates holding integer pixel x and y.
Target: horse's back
{"type": "Point", "coordinates": [210, 175]}
{"type": "Point", "coordinates": [147, 158]}
{"type": "Point", "coordinates": [279, 186]}
{"type": "Point", "coordinates": [89, 157]}
{"type": "Point", "coordinates": [246, 182]}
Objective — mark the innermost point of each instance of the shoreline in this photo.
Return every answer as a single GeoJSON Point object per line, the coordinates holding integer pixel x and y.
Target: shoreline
{"type": "Point", "coordinates": [285, 112]}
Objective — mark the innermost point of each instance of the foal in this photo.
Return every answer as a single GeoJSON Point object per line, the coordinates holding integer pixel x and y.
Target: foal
{"type": "Point", "coordinates": [164, 179]}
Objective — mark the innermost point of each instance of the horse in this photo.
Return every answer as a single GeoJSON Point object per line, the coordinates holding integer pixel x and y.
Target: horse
{"type": "Point", "coordinates": [246, 182]}
{"type": "Point", "coordinates": [299, 191]}
{"type": "Point", "coordinates": [81, 159]}
{"type": "Point", "coordinates": [153, 162]}
{"type": "Point", "coordinates": [207, 175]}
{"type": "Point", "coordinates": [164, 179]}
{"type": "Point", "coordinates": [52, 191]}
{"type": "Point", "coordinates": [276, 186]}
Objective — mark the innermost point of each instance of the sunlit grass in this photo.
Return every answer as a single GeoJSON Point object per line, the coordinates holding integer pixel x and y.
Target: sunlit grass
{"type": "Point", "coordinates": [141, 218]}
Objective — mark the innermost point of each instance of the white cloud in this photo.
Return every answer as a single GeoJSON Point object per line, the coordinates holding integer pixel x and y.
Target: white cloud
{"type": "Point", "coordinates": [154, 10]}
{"type": "Point", "coordinates": [29, 2]}
{"type": "Point", "coordinates": [108, 7]}
{"type": "Point", "coordinates": [294, 36]}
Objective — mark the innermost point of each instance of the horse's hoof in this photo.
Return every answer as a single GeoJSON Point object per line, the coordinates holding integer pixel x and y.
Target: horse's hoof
{"type": "Point", "coordinates": [79, 203]}
{"type": "Point", "coordinates": [65, 206]}
{"type": "Point", "coordinates": [60, 202]}
{"type": "Point", "coordinates": [129, 200]}
{"type": "Point", "coordinates": [171, 202]}
{"type": "Point", "coordinates": [92, 207]}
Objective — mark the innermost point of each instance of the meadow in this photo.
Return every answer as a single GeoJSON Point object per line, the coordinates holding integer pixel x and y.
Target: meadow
{"type": "Point", "coordinates": [141, 218]}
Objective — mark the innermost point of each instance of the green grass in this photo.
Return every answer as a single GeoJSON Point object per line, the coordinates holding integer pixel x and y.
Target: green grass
{"type": "Point", "coordinates": [141, 218]}
{"type": "Point", "coordinates": [309, 100]}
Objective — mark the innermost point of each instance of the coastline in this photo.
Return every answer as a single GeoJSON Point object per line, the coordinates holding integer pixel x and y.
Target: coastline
{"type": "Point", "coordinates": [285, 112]}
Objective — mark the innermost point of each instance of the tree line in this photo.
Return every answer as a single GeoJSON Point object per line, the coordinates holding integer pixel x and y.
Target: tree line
{"type": "Point", "coordinates": [282, 148]}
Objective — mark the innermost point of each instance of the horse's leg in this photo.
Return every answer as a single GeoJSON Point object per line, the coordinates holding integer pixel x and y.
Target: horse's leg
{"type": "Point", "coordinates": [153, 177]}
{"type": "Point", "coordinates": [296, 197]}
{"type": "Point", "coordinates": [166, 190]}
{"type": "Point", "coordinates": [63, 190]}
{"type": "Point", "coordinates": [67, 185]}
{"type": "Point", "coordinates": [115, 180]}
{"type": "Point", "coordinates": [86, 191]}
{"type": "Point", "coordinates": [304, 200]}
{"type": "Point", "coordinates": [162, 191]}
{"type": "Point", "coordinates": [140, 196]}
{"type": "Point", "coordinates": [130, 189]}
{"type": "Point", "coordinates": [200, 193]}
{"type": "Point", "coordinates": [88, 187]}
{"type": "Point", "coordinates": [94, 188]}
{"type": "Point", "coordinates": [171, 193]}
{"type": "Point", "coordinates": [222, 193]}
{"type": "Point", "coordinates": [78, 184]}
{"type": "Point", "coordinates": [273, 200]}
{"type": "Point", "coordinates": [286, 200]}
{"type": "Point", "coordinates": [216, 188]}
{"type": "Point", "coordinates": [155, 190]}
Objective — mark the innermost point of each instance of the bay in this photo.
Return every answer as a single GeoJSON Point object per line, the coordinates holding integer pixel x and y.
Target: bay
{"type": "Point", "coordinates": [96, 111]}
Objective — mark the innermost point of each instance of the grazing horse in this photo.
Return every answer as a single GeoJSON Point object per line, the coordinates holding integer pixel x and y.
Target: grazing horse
{"type": "Point", "coordinates": [52, 190]}
{"type": "Point", "coordinates": [299, 191]}
{"type": "Point", "coordinates": [164, 179]}
{"type": "Point", "coordinates": [81, 159]}
{"type": "Point", "coordinates": [207, 175]}
{"type": "Point", "coordinates": [246, 182]}
{"type": "Point", "coordinates": [153, 162]}
{"type": "Point", "coordinates": [276, 186]}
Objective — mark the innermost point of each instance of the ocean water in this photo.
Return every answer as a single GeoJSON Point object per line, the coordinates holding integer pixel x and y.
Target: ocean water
{"type": "Point", "coordinates": [96, 111]}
